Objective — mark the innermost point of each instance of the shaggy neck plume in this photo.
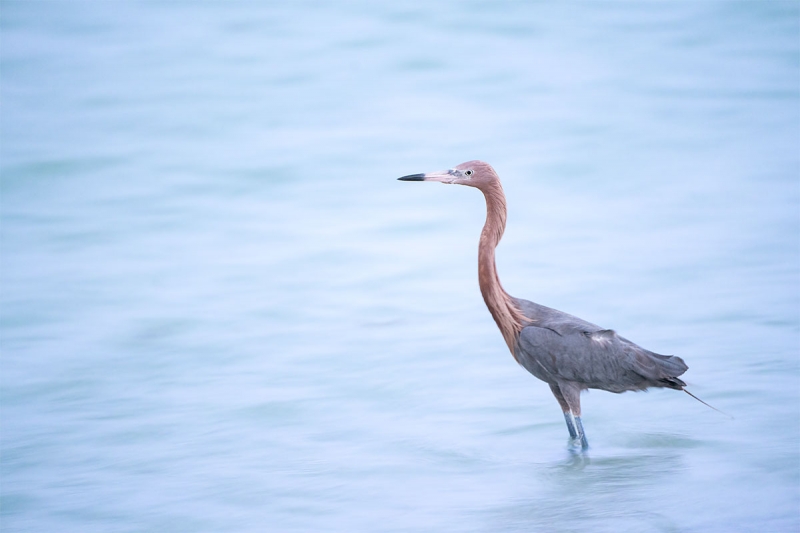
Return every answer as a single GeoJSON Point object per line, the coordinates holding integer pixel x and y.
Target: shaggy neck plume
{"type": "Point", "coordinates": [509, 319]}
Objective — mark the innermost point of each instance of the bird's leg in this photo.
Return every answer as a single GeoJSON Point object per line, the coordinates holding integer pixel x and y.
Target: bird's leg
{"type": "Point", "coordinates": [575, 428]}
{"type": "Point", "coordinates": [572, 426]}
{"type": "Point", "coordinates": [581, 432]}
{"type": "Point", "coordinates": [569, 397]}
{"type": "Point", "coordinates": [573, 433]}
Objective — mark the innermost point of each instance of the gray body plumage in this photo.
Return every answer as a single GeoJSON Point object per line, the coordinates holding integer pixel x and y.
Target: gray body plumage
{"type": "Point", "coordinates": [571, 353]}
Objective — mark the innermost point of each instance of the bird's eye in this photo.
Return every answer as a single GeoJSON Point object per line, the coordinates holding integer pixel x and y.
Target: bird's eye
{"type": "Point", "coordinates": [468, 173]}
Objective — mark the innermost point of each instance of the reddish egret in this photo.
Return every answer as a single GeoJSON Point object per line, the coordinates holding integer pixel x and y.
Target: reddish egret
{"type": "Point", "coordinates": [567, 353]}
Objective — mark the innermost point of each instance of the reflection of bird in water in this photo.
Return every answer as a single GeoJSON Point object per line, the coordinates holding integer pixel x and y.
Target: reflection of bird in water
{"type": "Point", "coordinates": [567, 353]}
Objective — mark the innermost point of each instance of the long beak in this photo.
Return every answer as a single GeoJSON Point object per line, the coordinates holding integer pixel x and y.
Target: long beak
{"type": "Point", "coordinates": [444, 176]}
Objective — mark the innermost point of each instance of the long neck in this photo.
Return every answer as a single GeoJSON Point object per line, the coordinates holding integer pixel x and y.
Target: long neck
{"type": "Point", "coordinates": [508, 317]}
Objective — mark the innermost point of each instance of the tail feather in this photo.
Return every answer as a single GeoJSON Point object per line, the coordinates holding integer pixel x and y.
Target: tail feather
{"type": "Point", "coordinates": [672, 365]}
{"type": "Point", "coordinates": [672, 383]}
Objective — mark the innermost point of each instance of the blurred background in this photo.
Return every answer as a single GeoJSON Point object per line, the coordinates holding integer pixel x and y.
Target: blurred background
{"type": "Point", "coordinates": [220, 311]}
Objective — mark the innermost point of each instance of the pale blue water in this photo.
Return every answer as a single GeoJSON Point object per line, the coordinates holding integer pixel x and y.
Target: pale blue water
{"type": "Point", "coordinates": [221, 312]}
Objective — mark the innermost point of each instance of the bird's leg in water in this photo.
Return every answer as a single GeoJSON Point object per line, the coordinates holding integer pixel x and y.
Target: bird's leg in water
{"type": "Point", "coordinates": [581, 432]}
{"type": "Point", "coordinates": [569, 398]}
{"type": "Point", "coordinates": [575, 428]}
{"type": "Point", "coordinates": [571, 425]}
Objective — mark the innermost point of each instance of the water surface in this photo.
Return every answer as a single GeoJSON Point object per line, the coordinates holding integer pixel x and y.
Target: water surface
{"type": "Point", "coordinates": [221, 312]}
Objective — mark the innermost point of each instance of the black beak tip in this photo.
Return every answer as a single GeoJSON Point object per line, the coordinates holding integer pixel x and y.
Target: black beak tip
{"type": "Point", "coordinates": [413, 177]}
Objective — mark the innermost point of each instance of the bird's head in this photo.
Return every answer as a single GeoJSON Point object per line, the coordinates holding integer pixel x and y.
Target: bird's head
{"type": "Point", "coordinates": [473, 173]}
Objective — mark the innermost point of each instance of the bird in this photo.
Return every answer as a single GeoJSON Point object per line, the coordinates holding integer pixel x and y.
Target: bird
{"type": "Point", "coordinates": [568, 353]}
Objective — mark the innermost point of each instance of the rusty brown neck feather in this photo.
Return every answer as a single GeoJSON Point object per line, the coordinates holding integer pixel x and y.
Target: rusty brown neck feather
{"type": "Point", "coordinates": [508, 317]}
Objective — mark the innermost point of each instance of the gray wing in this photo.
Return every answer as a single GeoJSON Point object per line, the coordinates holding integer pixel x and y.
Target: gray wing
{"type": "Point", "coordinates": [558, 347]}
{"type": "Point", "coordinates": [547, 317]}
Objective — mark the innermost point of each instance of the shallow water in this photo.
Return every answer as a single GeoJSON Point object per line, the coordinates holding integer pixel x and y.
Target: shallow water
{"type": "Point", "coordinates": [221, 312]}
